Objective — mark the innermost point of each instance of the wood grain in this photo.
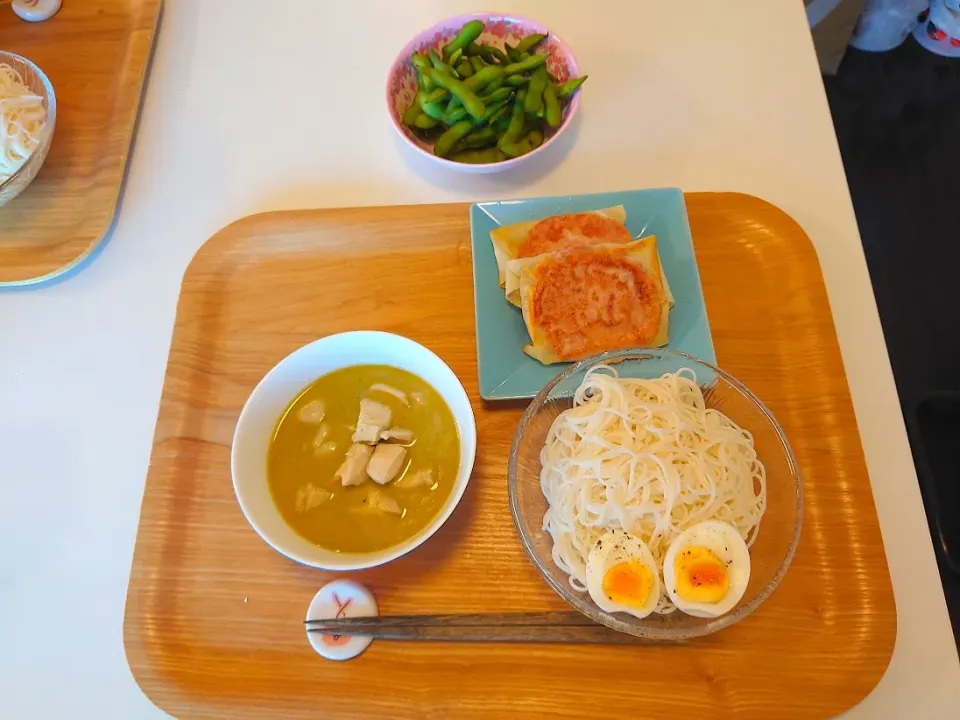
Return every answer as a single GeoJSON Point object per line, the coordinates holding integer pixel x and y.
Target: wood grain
{"type": "Point", "coordinates": [95, 53]}
{"type": "Point", "coordinates": [214, 617]}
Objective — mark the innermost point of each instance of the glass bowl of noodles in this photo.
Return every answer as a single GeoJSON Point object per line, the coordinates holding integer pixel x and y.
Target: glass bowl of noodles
{"type": "Point", "coordinates": [657, 486]}
{"type": "Point", "coordinates": [28, 114]}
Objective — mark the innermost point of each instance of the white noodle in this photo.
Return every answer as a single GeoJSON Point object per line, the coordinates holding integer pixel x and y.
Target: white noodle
{"type": "Point", "coordinates": [22, 116]}
{"type": "Point", "coordinates": [647, 457]}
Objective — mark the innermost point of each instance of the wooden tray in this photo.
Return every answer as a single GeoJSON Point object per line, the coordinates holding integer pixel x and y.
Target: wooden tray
{"type": "Point", "coordinates": [95, 53]}
{"type": "Point", "coordinates": [213, 617]}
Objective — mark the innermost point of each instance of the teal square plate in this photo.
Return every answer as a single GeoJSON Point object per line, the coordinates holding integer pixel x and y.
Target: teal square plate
{"type": "Point", "coordinates": [506, 372]}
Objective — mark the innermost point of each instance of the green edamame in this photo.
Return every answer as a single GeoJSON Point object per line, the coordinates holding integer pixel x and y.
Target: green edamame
{"type": "Point", "coordinates": [494, 85]}
{"type": "Point", "coordinates": [441, 66]}
{"type": "Point", "coordinates": [471, 102]}
{"type": "Point", "coordinates": [456, 132]}
{"type": "Point", "coordinates": [503, 122]}
{"type": "Point", "coordinates": [531, 63]}
{"type": "Point", "coordinates": [479, 157]}
{"type": "Point", "coordinates": [432, 109]}
{"type": "Point", "coordinates": [530, 41]}
{"type": "Point", "coordinates": [479, 138]}
{"type": "Point", "coordinates": [531, 142]}
{"type": "Point", "coordinates": [483, 78]}
{"type": "Point", "coordinates": [516, 80]}
{"type": "Point", "coordinates": [492, 109]}
{"type": "Point", "coordinates": [570, 87]}
{"type": "Point", "coordinates": [468, 33]}
{"type": "Point", "coordinates": [497, 95]}
{"type": "Point", "coordinates": [426, 83]}
{"type": "Point", "coordinates": [420, 61]}
{"type": "Point", "coordinates": [534, 99]}
{"type": "Point", "coordinates": [498, 55]}
{"type": "Point", "coordinates": [424, 122]}
{"type": "Point", "coordinates": [482, 104]}
{"type": "Point", "coordinates": [455, 115]}
{"type": "Point", "coordinates": [410, 114]}
{"type": "Point", "coordinates": [502, 112]}
{"type": "Point", "coordinates": [551, 105]}
{"type": "Point", "coordinates": [518, 120]}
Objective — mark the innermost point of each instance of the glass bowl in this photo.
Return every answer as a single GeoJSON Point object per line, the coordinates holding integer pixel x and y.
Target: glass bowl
{"type": "Point", "coordinates": [779, 530]}
{"type": "Point", "coordinates": [33, 78]}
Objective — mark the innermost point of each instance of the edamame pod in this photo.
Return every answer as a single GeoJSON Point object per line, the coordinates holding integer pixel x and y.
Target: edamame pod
{"type": "Point", "coordinates": [531, 63]}
{"type": "Point", "coordinates": [483, 78]}
{"type": "Point", "coordinates": [534, 99]}
{"type": "Point", "coordinates": [530, 41]}
{"type": "Point", "coordinates": [471, 102]}
{"type": "Point", "coordinates": [454, 134]}
{"type": "Point", "coordinates": [481, 137]}
{"type": "Point", "coordinates": [517, 121]}
{"type": "Point", "coordinates": [570, 87]}
{"type": "Point", "coordinates": [410, 114]}
{"type": "Point", "coordinates": [551, 106]}
{"type": "Point", "coordinates": [479, 157]}
{"type": "Point", "coordinates": [424, 122]}
{"type": "Point", "coordinates": [468, 33]}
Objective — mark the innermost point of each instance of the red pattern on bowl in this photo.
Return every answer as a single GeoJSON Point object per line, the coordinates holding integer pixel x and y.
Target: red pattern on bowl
{"type": "Point", "coordinates": [498, 29]}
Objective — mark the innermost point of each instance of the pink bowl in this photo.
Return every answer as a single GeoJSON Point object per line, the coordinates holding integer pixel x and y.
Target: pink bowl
{"type": "Point", "coordinates": [402, 80]}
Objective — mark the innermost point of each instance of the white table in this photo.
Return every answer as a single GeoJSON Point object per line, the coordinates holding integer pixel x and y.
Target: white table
{"type": "Point", "coordinates": [705, 96]}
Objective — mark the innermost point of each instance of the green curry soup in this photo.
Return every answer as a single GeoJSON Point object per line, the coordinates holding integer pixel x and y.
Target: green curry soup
{"type": "Point", "coordinates": [363, 459]}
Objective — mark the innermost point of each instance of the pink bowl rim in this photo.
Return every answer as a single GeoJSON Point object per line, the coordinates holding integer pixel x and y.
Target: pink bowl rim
{"type": "Point", "coordinates": [461, 20]}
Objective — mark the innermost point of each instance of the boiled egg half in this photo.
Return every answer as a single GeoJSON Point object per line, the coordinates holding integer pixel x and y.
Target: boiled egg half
{"type": "Point", "coordinates": [706, 569]}
{"type": "Point", "coordinates": [622, 575]}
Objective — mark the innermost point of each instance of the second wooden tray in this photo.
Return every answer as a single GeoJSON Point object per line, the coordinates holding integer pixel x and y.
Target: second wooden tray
{"type": "Point", "coordinates": [95, 53]}
{"type": "Point", "coordinates": [213, 618]}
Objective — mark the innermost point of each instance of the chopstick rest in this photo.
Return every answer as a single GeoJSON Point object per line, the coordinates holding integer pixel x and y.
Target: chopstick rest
{"type": "Point", "coordinates": [338, 600]}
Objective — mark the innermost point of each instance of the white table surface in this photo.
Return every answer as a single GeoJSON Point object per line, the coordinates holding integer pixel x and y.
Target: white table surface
{"type": "Point", "coordinates": [256, 106]}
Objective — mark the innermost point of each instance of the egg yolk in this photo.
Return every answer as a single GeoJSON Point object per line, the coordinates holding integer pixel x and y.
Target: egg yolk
{"type": "Point", "coordinates": [628, 583]}
{"type": "Point", "coordinates": [701, 575]}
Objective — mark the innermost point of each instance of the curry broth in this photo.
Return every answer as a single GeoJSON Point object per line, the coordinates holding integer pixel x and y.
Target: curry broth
{"type": "Point", "coordinates": [346, 522]}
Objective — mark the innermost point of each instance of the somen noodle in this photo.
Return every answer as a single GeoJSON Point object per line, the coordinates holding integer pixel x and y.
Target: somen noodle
{"type": "Point", "coordinates": [22, 116]}
{"type": "Point", "coordinates": [647, 457]}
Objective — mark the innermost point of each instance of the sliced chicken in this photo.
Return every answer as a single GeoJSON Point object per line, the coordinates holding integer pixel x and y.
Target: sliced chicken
{"type": "Point", "coordinates": [328, 448]}
{"type": "Point", "coordinates": [381, 502]}
{"type": "Point", "coordinates": [386, 463]}
{"type": "Point", "coordinates": [374, 419]}
{"type": "Point", "coordinates": [376, 502]}
{"type": "Point", "coordinates": [310, 496]}
{"type": "Point", "coordinates": [420, 478]}
{"type": "Point", "coordinates": [312, 412]}
{"type": "Point", "coordinates": [399, 434]}
{"type": "Point", "coordinates": [322, 432]}
{"type": "Point", "coordinates": [390, 390]}
{"type": "Point", "coordinates": [353, 470]}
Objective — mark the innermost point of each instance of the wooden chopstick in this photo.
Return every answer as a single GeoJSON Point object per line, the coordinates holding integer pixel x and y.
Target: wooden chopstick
{"type": "Point", "coordinates": [460, 620]}
{"type": "Point", "coordinates": [549, 627]}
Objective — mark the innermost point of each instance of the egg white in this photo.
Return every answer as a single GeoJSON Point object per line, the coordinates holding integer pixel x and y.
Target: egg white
{"type": "Point", "coordinates": [723, 540]}
{"type": "Point", "coordinates": [615, 547]}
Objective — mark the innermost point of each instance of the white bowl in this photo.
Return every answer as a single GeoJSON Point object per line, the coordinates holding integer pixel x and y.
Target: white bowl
{"type": "Point", "coordinates": [251, 439]}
